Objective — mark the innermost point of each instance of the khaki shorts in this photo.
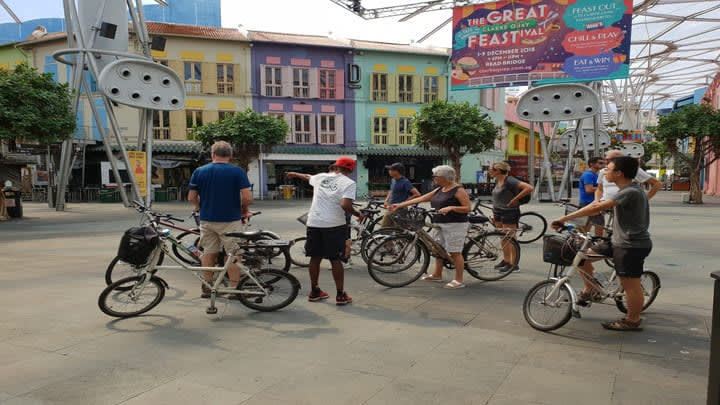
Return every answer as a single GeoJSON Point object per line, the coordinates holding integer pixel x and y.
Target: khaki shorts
{"type": "Point", "coordinates": [212, 235]}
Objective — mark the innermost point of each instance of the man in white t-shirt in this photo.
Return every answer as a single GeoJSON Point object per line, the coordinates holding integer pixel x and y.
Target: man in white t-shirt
{"type": "Point", "coordinates": [333, 196]}
{"type": "Point", "coordinates": [606, 190]}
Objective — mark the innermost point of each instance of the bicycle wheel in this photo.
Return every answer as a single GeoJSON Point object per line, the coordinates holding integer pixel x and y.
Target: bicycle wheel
{"type": "Point", "coordinates": [118, 269]}
{"type": "Point", "coordinates": [483, 252]}
{"type": "Point", "coordinates": [650, 284]}
{"type": "Point", "coordinates": [281, 288]}
{"type": "Point", "coordinates": [532, 227]}
{"type": "Point", "coordinates": [260, 257]}
{"type": "Point", "coordinates": [184, 256]}
{"type": "Point", "coordinates": [546, 310]}
{"type": "Point", "coordinates": [398, 261]}
{"type": "Point", "coordinates": [369, 242]}
{"type": "Point", "coordinates": [297, 252]}
{"type": "Point", "coordinates": [131, 296]}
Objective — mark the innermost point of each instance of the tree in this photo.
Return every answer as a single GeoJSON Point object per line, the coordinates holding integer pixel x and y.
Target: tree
{"type": "Point", "coordinates": [696, 126]}
{"type": "Point", "coordinates": [457, 128]}
{"type": "Point", "coordinates": [34, 107]}
{"type": "Point", "coordinates": [247, 131]}
{"type": "Point", "coordinates": [652, 149]}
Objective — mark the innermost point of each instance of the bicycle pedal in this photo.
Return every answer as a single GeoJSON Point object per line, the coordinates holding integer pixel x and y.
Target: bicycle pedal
{"type": "Point", "coordinates": [585, 304]}
{"type": "Point", "coordinates": [576, 314]}
{"type": "Point", "coordinates": [211, 310]}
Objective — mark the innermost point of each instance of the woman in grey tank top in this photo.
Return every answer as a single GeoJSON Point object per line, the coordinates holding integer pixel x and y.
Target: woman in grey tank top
{"type": "Point", "coordinates": [452, 204]}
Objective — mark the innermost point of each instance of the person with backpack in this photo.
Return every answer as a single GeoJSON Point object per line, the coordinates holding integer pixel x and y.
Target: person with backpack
{"type": "Point", "coordinates": [508, 194]}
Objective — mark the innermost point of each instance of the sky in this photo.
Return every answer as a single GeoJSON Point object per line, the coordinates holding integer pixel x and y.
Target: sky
{"type": "Point", "coordinates": [318, 17]}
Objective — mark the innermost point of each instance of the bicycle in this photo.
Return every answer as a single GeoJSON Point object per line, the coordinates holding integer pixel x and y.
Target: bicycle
{"type": "Point", "coordinates": [400, 259]}
{"type": "Point", "coordinates": [556, 297]}
{"type": "Point", "coordinates": [358, 232]}
{"type": "Point", "coordinates": [262, 289]}
{"type": "Point", "coordinates": [119, 269]}
{"type": "Point", "coordinates": [531, 225]}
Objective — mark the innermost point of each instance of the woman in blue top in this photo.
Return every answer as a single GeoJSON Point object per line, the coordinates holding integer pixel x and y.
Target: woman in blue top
{"type": "Point", "coordinates": [452, 204]}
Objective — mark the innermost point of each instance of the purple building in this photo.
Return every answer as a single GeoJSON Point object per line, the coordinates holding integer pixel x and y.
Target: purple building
{"type": "Point", "coordinates": [303, 80]}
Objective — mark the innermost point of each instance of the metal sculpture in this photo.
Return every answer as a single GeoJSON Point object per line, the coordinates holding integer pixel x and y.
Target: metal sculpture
{"type": "Point", "coordinates": [98, 36]}
{"type": "Point", "coordinates": [555, 103]}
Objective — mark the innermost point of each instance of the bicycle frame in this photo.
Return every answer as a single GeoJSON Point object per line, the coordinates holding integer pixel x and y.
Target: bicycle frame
{"type": "Point", "coordinates": [215, 288]}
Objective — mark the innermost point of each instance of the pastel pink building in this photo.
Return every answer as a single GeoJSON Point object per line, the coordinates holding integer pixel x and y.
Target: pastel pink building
{"type": "Point", "coordinates": [712, 172]}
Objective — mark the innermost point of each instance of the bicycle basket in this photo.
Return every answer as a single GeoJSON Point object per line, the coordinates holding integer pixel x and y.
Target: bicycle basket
{"type": "Point", "coordinates": [558, 249]}
{"type": "Point", "coordinates": [412, 218]}
{"type": "Point", "coordinates": [137, 244]}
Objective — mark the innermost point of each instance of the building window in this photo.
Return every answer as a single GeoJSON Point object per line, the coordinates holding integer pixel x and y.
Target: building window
{"type": "Point", "coordinates": [380, 130]}
{"type": "Point", "coordinates": [327, 84]}
{"type": "Point", "coordinates": [192, 118]}
{"type": "Point", "coordinates": [273, 81]}
{"type": "Point", "coordinates": [328, 133]}
{"type": "Point", "coordinates": [301, 128]}
{"type": "Point", "coordinates": [193, 77]}
{"type": "Point", "coordinates": [225, 79]}
{"type": "Point", "coordinates": [301, 82]}
{"type": "Point", "coordinates": [280, 116]}
{"type": "Point", "coordinates": [405, 136]}
{"type": "Point", "coordinates": [379, 87]}
{"type": "Point", "coordinates": [405, 86]}
{"type": "Point", "coordinates": [161, 124]}
{"type": "Point", "coordinates": [430, 89]}
{"type": "Point", "coordinates": [225, 114]}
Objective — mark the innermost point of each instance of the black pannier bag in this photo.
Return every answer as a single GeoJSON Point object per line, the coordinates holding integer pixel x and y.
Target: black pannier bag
{"type": "Point", "coordinates": [559, 250]}
{"type": "Point", "coordinates": [137, 244]}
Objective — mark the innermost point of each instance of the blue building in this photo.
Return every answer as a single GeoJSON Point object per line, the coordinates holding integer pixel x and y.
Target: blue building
{"type": "Point", "coordinates": [204, 13]}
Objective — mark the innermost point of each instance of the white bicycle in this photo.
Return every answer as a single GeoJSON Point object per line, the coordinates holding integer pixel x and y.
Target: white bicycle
{"type": "Point", "coordinates": [551, 303]}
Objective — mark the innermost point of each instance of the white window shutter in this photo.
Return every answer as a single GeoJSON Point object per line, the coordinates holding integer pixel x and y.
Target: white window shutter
{"type": "Point", "coordinates": [261, 90]}
{"type": "Point", "coordinates": [314, 82]}
{"type": "Point", "coordinates": [339, 130]}
{"type": "Point", "coordinates": [313, 128]}
{"type": "Point", "coordinates": [289, 138]}
{"type": "Point", "coordinates": [287, 81]}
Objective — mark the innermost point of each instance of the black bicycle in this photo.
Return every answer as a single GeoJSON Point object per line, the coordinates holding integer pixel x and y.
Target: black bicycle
{"type": "Point", "coordinates": [531, 225]}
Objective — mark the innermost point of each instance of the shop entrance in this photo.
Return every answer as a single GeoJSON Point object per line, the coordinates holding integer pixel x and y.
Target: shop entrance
{"type": "Point", "coordinates": [417, 170]}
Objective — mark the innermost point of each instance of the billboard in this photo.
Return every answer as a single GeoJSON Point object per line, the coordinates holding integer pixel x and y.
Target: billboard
{"type": "Point", "coordinates": [517, 42]}
{"type": "Point", "coordinates": [138, 163]}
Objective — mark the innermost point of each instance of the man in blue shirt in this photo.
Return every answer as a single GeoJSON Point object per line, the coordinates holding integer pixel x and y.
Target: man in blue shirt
{"type": "Point", "coordinates": [588, 184]}
{"type": "Point", "coordinates": [400, 190]}
{"type": "Point", "coordinates": [221, 192]}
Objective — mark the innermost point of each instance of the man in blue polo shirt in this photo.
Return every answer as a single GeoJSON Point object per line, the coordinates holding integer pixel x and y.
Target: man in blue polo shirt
{"type": "Point", "coordinates": [221, 192]}
{"type": "Point", "coordinates": [588, 184]}
{"type": "Point", "coordinates": [400, 190]}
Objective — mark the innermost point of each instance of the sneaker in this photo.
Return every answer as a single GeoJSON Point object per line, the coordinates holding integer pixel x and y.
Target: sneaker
{"type": "Point", "coordinates": [501, 265]}
{"type": "Point", "coordinates": [515, 268]}
{"type": "Point", "coordinates": [317, 295]}
{"type": "Point", "coordinates": [504, 269]}
{"type": "Point", "coordinates": [343, 299]}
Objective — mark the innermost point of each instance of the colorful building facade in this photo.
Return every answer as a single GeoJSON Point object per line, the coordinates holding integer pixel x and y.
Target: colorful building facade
{"type": "Point", "coordinates": [712, 172]}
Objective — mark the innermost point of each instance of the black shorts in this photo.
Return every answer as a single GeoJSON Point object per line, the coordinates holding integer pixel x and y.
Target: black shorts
{"type": "Point", "coordinates": [629, 262]}
{"type": "Point", "coordinates": [595, 219]}
{"type": "Point", "coordinates": [328, 243]}
{"type": "Point", "coordinates": [507, 216]}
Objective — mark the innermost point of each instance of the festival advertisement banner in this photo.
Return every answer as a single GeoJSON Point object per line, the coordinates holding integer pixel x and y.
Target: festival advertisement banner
{"type": "Point", "coordinates": [517, 42]}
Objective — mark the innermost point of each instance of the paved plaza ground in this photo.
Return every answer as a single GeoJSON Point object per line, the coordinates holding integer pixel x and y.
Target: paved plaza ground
{"type": "Point", "coordinates": [413, 345]}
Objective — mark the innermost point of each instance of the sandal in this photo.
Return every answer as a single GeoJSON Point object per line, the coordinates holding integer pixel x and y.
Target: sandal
{"type": "Point", "coordinates": [453, 285]}
{"type": "Point", "coordinates": [588, 296]}
{"type": "Point", "coordinates": [430, 277]}
{"type": "Point", "coordinates": [623, 325]}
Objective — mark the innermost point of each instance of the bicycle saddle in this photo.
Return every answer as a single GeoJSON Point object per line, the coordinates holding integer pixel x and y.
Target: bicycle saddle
{"type": "Point", "coordinates": [249, 235]}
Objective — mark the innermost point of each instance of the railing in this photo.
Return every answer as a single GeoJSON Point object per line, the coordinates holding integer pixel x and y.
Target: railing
{"type": "Point", "coordinates": [225, 88]}
{"type": "Point", "coordinates": [713, 396]}
{"type": "Point", "coordinates": [161, 133]}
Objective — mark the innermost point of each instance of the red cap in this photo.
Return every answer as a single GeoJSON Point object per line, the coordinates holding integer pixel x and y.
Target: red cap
{"type": "Point", "coordinates": [345, 163]}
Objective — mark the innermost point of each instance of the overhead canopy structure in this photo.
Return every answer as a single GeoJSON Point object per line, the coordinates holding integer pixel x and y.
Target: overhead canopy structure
{"type": "Point", "coordinates": [675, 44]}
